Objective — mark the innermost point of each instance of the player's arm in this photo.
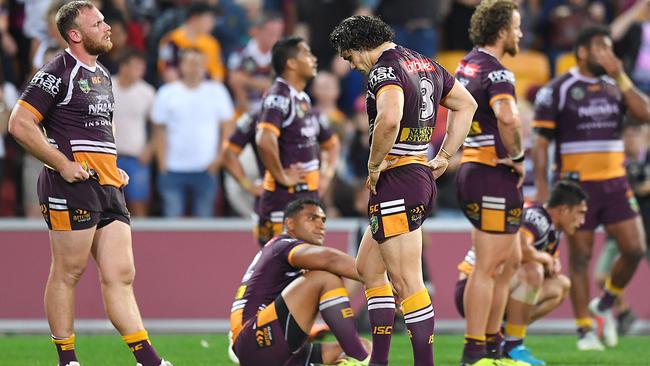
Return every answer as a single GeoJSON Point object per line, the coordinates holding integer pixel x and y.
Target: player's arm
{"type": "Point", "coordinates": [390, 108]}
{"type": "Point", "coordinates": [23, 126]}
{"type": "Point", "coordinates": [267, 143]}
{"type": "Point", "coordinates": [317, 257]}
{"type": "Point", "coordinates": [529, 253]}
{"type": "Point", "coordinates": [230, 162]}
{"type": "Point", "coordinates": [462, 106]}
{"type": "Point", "coordinates": [330, 152]}
{"type": "Point", "coordinates": [540, 166]}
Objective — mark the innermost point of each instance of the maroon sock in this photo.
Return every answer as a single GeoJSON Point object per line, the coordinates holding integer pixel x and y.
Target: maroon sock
{"type": "Point", "coordinates": [493, 345]}
{"type": "Point", "coordinates": [418, 316]}
{"type": "Point", "coordinates": [65, 349]}
{"type": "Point", "coordinates": [473, 350]}
{"type": "Point", "coordinates": [142, 349]}
{"type": "Point", "coordinates": [338, 315]}
{"type": "Point", "coordinates": [381, 311]}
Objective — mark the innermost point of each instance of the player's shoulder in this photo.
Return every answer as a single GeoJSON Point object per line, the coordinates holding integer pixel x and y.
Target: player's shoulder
{"type": "Point", "coordinates": [537, 216]}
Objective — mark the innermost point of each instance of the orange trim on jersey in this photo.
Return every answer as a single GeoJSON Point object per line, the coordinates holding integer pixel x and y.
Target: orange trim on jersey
{"type": "Point", "coordinates": [233, 147]}
{"type": "Point", "coordinates": [544, 124]}
{"type": "Point", "coordinates": [292, 252]}
{"type": "Point", "coordinates": [236, 320]}
{"type": "Point", "coordinates": [267, 315]}
{"type": "Point", "coordinates": [387, 88]}
{"type": "Point", "coordinates": [594, 165]}
{"type": "Point", "coordinates": [270, 126]}
{"type": "Point", "coordinates": [484, 155]}
{"type": "Point", "coordinates": [498, 97]}
{"type": "Point", "coordinates": [528, 234]}
{"type": "Point", "coordinates": [396, 161]}
{"type": "Point", "coordinates": [60, 220]}
{"type": "Point", "coordinates": [395, 224]}
{"type": "Point", "coordinates": [268, 184]}
{"type": "Point", "coordinates": [32, 109]}
{"type": "Point", "coordinates": [104, 164]}
{"type": "Point", "coordinates": [337, 292]}
{"type": "Point", "coordinates": [329, 142]}
{"type": "Point", "coordinates": [466, 268]}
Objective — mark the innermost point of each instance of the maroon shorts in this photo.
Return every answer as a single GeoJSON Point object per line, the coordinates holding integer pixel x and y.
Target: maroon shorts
{"type": "Point", "coordinates": [405, 197]}
{"type": "Point", "coordinates": [78, 206]}
{"type": "Point", "coordinates": [489, 197]}
{"type": "Point", "coordinates": [610, 201]}
{"type": "Point", "coordinates": [271, 211]}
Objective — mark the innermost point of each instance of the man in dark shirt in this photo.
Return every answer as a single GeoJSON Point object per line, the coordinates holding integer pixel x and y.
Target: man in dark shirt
{"type": "Point", "coordinates": [291, 280]}
{"type": "Point", "coordinates": [405, 89]}
{"type": "Point", "coordinates": [80, 187]}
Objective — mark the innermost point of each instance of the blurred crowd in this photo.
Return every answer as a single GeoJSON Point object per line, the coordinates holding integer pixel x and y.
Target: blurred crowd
{"type": "Point", "coordinates": [234, 40]}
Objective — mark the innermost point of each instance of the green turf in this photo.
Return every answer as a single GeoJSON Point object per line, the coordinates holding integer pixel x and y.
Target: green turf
{"type": "Point", "coordinates": [209, 350]}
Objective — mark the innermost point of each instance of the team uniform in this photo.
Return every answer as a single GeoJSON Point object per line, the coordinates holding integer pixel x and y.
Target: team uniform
{"type": "Point", "coordinates": [397, 209]}
{"type": "Point", "coordinates": [584, 117]}
{"type": "Point", "coordinates": [301, 134]}
{"type": "Point", "coordinates": [494, 205]}
{"type": "Point", "coordinates": [263, 330]}
{"type": "Point", "coordinates": [254, 63]}
{"type": "Point", "coordinates": [536, 225]}
{"type": "Point", "coordinates": [74, 103]}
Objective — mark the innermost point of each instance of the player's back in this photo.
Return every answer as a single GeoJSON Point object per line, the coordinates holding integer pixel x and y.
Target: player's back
{"type": "Point", "coordinates": [267, 275]}
{"type": "Point", "coordinates": [488, 81]}
{"type": "Point", "coordinates": [424, 84]}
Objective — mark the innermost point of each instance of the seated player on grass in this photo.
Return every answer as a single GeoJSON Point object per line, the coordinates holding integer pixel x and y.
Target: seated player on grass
{"type": "Point", "coordinates": [291, 280]}
{"type": "Point", "coordinates": [538, 287]}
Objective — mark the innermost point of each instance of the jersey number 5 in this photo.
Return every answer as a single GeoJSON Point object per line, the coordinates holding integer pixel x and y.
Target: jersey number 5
{"type": "Point", "coordinates": [428, 106]}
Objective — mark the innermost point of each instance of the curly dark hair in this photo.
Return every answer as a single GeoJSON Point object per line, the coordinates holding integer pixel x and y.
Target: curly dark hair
{"type": "Point", "coordinates": [489, 18]}
{"type": "Point", "coordinates": [360, 33]}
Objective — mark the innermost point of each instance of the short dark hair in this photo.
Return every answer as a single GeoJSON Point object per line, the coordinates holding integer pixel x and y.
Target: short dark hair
{"type": "Point", "coordinates": [67, 16]}
{"type": "Point", "coordinates": [489, 18]}
{"type": "Point", "coordinates": [566, 192]}
{"type": "Point", "coordinates": [199, 8]}
{"type": "Point", "coordinates": [282, 51]}
{"type": "Point", "coordinates": [360, 33]}
{"type": "Point", "coordinates": [296, 206]}
{"type": "Point", "coordinates": [129, 54]}
{"type": "Point", "coordinates": [587, 34]}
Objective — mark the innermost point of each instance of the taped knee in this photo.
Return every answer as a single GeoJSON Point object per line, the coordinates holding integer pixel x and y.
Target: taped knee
{"type": "Point", "coordinates": [525, 293]}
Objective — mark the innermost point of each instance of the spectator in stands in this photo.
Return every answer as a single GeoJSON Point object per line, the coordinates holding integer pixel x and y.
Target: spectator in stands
{"type": "Point", "coordinates": [51, 39]}
{"type": "Point", "coordinates": [8, 97]}
{"type": "Point", "coordinates": [631, 33]}
{"type": "Point", "coordinates": [233, 23]}
{"type": "Point", "coordinates": [190, 117]}
{"type": "Point", "coordinates": [250, 68]}
{"type": "Point", "coordinates": [456, 24]}
{"type": "Point", "coordinates": [119, 38]}
{"type": "Point", "coordinates": [326, 91]}
{"type": "Point", "coordinates": [193, 33]}
{"type": "Point", "coordinates": [133, 100]}
{"type": "Point", "coordinates": [414, 24]}
{"type": "Point", "coordinates": [8, 46]}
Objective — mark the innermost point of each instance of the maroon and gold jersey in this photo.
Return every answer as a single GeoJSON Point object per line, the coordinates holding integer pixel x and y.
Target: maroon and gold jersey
{"type": "Point", "coordinates": [243, 135]}
{"type": "Point", "coordinates": [74, 103]}
{"type": "Point", "coordinates": [268, 274]}
{"type": "Point", "coordinates": [424, 84]}
{"type": "Point", "coordinates": [584, 117]}
{"type": "Point", "coordinates": [301, 134]}
{"type": "Point", "coordinates": [488, 81]}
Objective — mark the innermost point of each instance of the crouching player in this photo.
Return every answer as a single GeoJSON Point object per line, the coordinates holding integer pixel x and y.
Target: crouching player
{"type": "Point", "coordinates": [289, 281]}
{"type": "Point", "coordinates": [538, 287]}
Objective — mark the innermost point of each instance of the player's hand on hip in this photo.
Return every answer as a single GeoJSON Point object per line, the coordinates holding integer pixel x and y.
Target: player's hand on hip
{"type": "Point", "coordinates": [125, 177]}
{"type": "Point", "coordinates": [74, 172]}
{"type": "Point", "coordinates": [373, 174]}
{"type": "Point", "coordinates": [518, 168]}
{"type": "Point", "coordinates": [293, 175]}
{"type": "Point", "coordinates": [438, 166]}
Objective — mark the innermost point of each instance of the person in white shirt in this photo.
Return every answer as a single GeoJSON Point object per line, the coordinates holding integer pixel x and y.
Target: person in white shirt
{"type": "Point", "coordinates": [190, 118]}
{"type": "Point", "coordinates": [133, 100]}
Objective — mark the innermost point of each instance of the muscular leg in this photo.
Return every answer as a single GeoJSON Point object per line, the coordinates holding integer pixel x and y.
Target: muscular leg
{"type": "Point", "coordinates": [580, 247]}
{"type": "Point", "coordinates": [70, 250]}
{"type": "Point", "coordinates": [402, 256]}
{"type": "Point", "coordinates": [322, 290]}
{"type": "Point", "coordinates": [521, 303]}
{"type": "Point", "coordinates": [379, 294]}
{"type": "Point", "coordinates": [113, 253]}
{"type": "Point", "coordinates": [492, 251]}
{"type": "Point", "coordinates": [552, 294]}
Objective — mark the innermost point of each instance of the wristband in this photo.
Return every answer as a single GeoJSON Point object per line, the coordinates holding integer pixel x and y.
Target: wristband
{"type": "Point", "coordinates": [446, 154]}
{"type": "Point", "coordinates": [519, 158]}
{"type": "Point", "coordinates": [623, 82]}
{"type": "Point", "coordinates": [245, 183]}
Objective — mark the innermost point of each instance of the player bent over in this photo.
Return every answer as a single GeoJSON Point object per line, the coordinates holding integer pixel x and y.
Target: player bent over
{"type": "Point", "coordinates": [538, 287]}
{"type": "Point", "coordinates": [291, 280]}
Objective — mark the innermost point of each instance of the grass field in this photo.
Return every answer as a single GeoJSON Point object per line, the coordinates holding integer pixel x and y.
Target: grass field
{"type": "Point", "coordinates": [209, 350]}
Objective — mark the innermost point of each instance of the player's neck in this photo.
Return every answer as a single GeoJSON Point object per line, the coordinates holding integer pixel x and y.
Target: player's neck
{"type": "Point", "coordinates": [554, 214]}
{"type": "Point", "coordinates": [584, 71]}
{"type": "Point", "coordinates": [80, 54]}
{"type": "Point", "coordinates": [495, 50]}
{"type": "Point", "coordinates": [377, 52]}
{"type": "Point", "coordinates": [295, 81]}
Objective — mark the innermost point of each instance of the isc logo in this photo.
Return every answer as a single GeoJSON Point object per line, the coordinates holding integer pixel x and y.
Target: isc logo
{"type": "Point", "coordinates": [382, 329]}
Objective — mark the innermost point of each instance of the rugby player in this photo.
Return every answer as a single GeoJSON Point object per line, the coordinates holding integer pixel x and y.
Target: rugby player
{"type": "Point", "coordinates": [290, 138]}
{"type": "Point", "coordinates": [405, 89]}
{"type": "Point", "coordinates": [582, 112]}
{"type": "Point", "coordinates": [80, 187]}
{"type": "Point", "coordinates": [493, 154]}
{"type": "Point", "coordinates": [538, 287]}
{"type": "Point", "coordinates": [291, 280]}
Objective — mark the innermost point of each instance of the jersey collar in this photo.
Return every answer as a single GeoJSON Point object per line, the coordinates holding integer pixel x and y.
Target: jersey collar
{"type": "Point", "coordinates": [88, 67]}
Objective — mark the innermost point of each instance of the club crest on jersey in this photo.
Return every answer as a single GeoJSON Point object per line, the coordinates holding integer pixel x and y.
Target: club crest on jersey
{"type": "Point", "coordinates": [374, 224]}
{"type": "Point", "coordinates": [577, 93]}
{"type": "Point", "coordinates": [84, 86]}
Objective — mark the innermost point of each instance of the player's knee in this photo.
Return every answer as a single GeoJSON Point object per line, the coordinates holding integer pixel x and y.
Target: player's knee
{"type": "Point", "coordinates": [565, 284]}
{"type": "Point", "coordinates": [124, 275]}
{"type": "Point", "coordinates": [70, 274]}
{"type": "Point", "coordinates": [633, 256]}
{"type": "Point", "coordinates": [327, 279]}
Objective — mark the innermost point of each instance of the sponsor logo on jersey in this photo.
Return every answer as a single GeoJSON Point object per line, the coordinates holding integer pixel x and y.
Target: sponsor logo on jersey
{"type": "Point", "coordinates": [418, 65]}
{"type": "Point", "coordinates": [600, 109]}
{"type": "Point", "coordinates": [544, 97]}
{"type": "Point", "coordinates": [279, 102]}
{"type": "Point", "coordinates": [416, 213]}
{"type": "Point", "coordinates": [538, 220]}
{"type": "Point", "coordinates": [83, 85]}
{"type": "Point", "coordinates": [46, 81]}
{"type": "Point", "coordinates": [381, 74]}
{"type": "Point", "coordinates": [422, 134]}
{"type": "Point", "coordinates": [100, 109]}
{"type": "Point", "coordinates": [264, 337]}
{"type": "Point", "coordinates": [502, 76]}
{"type": "Point", "coordinates": [468, 70]}
{"type": "Point", "coordinates": [80, 216]}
